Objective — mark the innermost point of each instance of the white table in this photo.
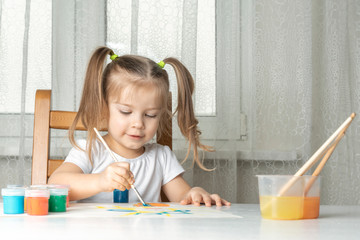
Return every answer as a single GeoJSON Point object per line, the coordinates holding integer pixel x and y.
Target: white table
{"type": "Point", "coordinates": [87, 221]}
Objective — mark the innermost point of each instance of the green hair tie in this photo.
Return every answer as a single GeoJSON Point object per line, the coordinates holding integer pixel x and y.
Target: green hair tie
{"type": "Point", "coordinates": [161, 64]}
{"type": "Point", "coordinates": [113, 57]}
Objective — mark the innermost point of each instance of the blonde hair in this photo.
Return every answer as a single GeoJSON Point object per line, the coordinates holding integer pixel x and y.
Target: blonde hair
{"type": "Point", "coordinates": [103, 81]}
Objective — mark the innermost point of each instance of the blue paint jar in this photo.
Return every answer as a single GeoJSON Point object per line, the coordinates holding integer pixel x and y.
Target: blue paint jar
{"type": "Point", "coordinates": [121, 196]}
{"type": "Point", "coordinates": [13, 200]}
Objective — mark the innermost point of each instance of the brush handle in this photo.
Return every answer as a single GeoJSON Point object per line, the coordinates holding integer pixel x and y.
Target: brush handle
{"type": "Point", "coordinates": [322, 163]}
{"type": "Point", "coordinates": [314, 158]}
{"type": "Point", "coordinates": [106, 146]}
{"type": "Point", "coordinates": [138, 195]}
{"type": "Point", "coordinates": [317, 155]}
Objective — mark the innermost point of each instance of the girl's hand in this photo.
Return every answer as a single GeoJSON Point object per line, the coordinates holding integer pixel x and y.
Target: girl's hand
{"type": "Point", "coordinates": [198, 195]}
{"type": "Point", "coordinates": [116, 176]}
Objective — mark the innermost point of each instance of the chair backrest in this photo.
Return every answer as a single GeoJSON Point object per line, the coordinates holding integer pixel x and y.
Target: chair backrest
{"type": "Point", "coordinates": [44, 120]}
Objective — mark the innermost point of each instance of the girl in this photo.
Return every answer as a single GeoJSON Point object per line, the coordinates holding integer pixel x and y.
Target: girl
{"type": "Point", "coordinates": [131, 95]}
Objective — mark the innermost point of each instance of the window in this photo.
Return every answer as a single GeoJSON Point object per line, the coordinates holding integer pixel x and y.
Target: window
{"type": "Point", "coordinates": [157, 29]}
{"type": "Point", "coordinates": [46, 49]}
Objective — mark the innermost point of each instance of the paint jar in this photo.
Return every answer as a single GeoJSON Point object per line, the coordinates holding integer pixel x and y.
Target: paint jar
{"type": "Point", "coordinates": [57, 201]}
{"type": "Point", "coordinates": [13, 200]}
{"type": "Point", "coordinates": [62, 186]}
{"type": "Point", "coordinates": [37, 201]}
{"type": "Point", "coordinates": [38, 186]}
{"type": "Point", "coordinates": [281, 201]}
{"type": "Point", "coordinates": [18, 186]}
{"type": "Point", "coordinates": [121, 196]}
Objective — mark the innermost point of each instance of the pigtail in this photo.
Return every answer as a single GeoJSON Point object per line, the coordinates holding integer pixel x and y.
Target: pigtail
{"type": "Point", "coordinates": [92, 104]}
{"type": "Point", "coordinates": [185, 111]}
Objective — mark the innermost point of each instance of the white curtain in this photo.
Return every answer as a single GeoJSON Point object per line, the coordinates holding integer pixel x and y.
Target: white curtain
{"type": "Point", "coordinates": [304, 82]}
{"type": "Point", "coordinates": [287, 75]}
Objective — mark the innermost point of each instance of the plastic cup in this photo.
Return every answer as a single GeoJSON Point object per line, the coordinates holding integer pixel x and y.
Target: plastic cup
{"type": "Point", "coordinates": [312, 197]}
{"type": "Point", "coordinates": [121, 196]}
{"type": "Point", "coordinates": [299, 201]}
{"type": "Point", "coordinates": [13, 200]}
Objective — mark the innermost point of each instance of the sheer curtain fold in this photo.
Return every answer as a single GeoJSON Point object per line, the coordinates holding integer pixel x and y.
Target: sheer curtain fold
{"type": "Point", "coordinates": [78, 28]}
{"type": "Point", "coordinates": [23, 126]}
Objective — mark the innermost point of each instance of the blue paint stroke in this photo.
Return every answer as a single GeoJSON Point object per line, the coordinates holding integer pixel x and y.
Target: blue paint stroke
{"type": "Point", "coordinates": [178, 211]}
{"type": "Point", "coordinates": [175, 212]}
{"type": "Point", "coordinates": [183, 211]}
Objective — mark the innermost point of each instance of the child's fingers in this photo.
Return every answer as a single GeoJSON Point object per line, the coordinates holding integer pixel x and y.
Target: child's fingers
{"type": "Point", "coordinates": [117, 176]}
{"type": "Point", "coordinates": [192, 198]}
{"type": "Point", "coordinates": [207, 200]}
{"type": "Point", "coordinates": [114, 181]}
{"type": "Point", "coordinates": [121, 183]}
{"type": "Point", "coordinates": [217, 199]}
{"type": "Point", "coordinates": [123, 169]}
{"type": "Point", "coordinates": [226, 203]}
{"type": "Point", "coordinates": [186, 201]}
{"type": "Point", "coordinates": [197, 196]}
{"type": "Point", "coordinates": [196, 199]}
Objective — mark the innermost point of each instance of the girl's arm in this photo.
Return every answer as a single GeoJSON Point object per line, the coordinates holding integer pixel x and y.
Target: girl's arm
{"type": "Point", "coordinates": [115, 176]}
{"type": "Point", "coordinates": [178, 190]}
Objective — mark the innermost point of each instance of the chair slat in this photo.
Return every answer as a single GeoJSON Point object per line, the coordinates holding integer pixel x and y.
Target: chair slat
{"type": "Point", "coordinates": [64, 119]}
{"type": "Point", "coordinates": [53, 164]}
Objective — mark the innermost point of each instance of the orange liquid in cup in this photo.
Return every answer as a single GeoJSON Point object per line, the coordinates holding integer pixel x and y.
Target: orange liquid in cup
{"type": "Point", "coordinates": [311, 207]}
{"type": "Point", "coordinates": [37, 205]}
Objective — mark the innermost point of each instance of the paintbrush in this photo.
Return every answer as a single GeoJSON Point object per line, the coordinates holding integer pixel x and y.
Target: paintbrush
{"type": "Point", "coordinates": [317, 155]}
{"type": "Point", "coordinates": [115, 159]}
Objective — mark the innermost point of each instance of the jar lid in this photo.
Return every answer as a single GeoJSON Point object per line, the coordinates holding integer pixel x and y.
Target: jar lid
{"type": "Point", "coordinates": [15, 186]}
{"type": "Point", "coordinates": [58, 191]}
{"type": "Point", "coordinates": [58, 186]}
{"type": "Point", "coordinates": [37, 193]}
{"type": "Point", "coordinates": [39, 186]}
{"type": "Point", "coordinates": [13, 191]}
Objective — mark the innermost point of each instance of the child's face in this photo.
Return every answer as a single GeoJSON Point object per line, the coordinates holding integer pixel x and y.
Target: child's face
{"type": "Point", "coordinates": [133, 120]}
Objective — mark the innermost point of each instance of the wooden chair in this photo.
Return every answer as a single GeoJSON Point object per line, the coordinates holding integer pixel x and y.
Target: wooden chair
{"type": "Point", "coordinates": [44, 120]}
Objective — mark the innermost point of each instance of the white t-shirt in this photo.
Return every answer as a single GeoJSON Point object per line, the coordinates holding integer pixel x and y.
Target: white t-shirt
{"type": "Point", "coordinates": [157, 166]}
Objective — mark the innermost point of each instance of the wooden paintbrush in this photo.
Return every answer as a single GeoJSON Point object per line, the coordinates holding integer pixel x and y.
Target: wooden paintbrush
{"type": "Point", "coordinates": [322, 163]}
{"type": "Point", "coordinates": [317, 155]}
